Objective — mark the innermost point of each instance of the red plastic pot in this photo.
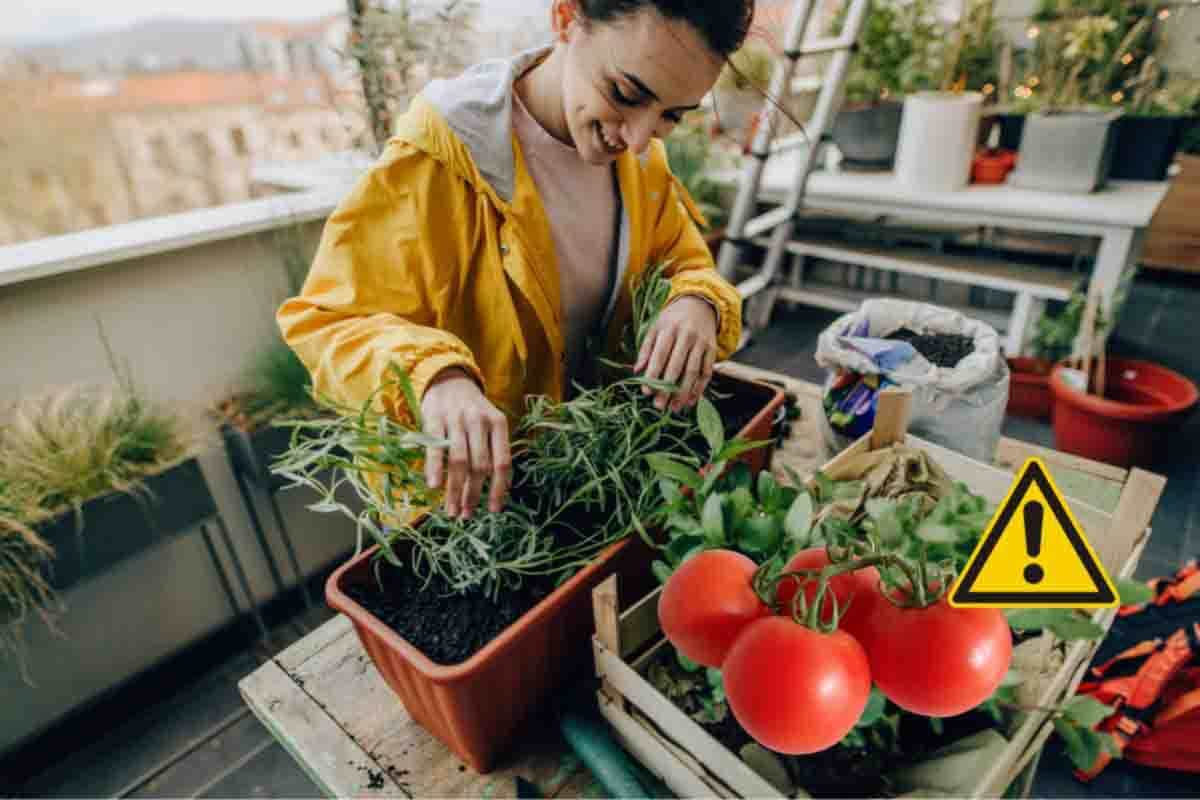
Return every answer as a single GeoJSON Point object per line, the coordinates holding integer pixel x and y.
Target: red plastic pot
{"type": "Point", "coordinates": [1029, 387]}
{"type": "Point", "coordinates": [476, 707]}
{"type": "Point", "coordinates": [1143, 403]}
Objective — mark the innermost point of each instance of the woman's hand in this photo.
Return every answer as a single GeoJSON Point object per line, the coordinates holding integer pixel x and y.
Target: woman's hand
{"type": "Point", "coordinates": [680, 348]}
{"type": "Point", "coordinates": [455, 409]}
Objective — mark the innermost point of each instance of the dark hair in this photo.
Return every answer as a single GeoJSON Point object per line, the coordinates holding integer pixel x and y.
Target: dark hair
{"type": "Point", "coordinates": [724, 24]}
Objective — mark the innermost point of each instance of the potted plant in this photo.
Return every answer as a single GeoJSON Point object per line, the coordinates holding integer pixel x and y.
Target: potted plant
{"type": "Point", "coordinates": [897, 54]}
{"type": "Point", "coordinates": [1157, 118]}
{"type": "Point", "coordinates": [474, 622]}
{"type": "Point", "coordinates": [1067, 143]}
{"type": "Point", "coordinates": [740, 91]}
{"type": "Point", "coordinates": [1029, 386]}
{"type": "Point", "coordinates": [89, 476]}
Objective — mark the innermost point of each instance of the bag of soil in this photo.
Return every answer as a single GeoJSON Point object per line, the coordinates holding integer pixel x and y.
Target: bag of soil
{"type": "Point", "coordinates": [951, 363]}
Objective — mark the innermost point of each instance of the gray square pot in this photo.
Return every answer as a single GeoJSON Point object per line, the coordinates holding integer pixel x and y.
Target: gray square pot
{"type": "Point", "coordinates": [1069, 151]}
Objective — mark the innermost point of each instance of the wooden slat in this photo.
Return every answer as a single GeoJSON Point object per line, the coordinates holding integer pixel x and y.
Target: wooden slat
{"type": "Point", "coordinates": [639, 624]}
{"type": "Point", "coordinates": [334, 761]}
{"type": "Point", "coordinates": [1131, 520]}
{"type": "Point", "coordinates": [683, 774]}
{"type": "Point", "coordinates": [608, 627]}
{"type": "Point", "coordinates": [324, 636]}
{"type": "Point", "coordinates": [1012, 453]}
{"type": "Point", "coordinates": [892, 413]}
{"type": "Point", "coordinates": [689, 735]}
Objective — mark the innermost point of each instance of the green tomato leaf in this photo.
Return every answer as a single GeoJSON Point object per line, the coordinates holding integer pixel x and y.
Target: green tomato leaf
{"type": "Point", "coordinates": [1065, 623]}
{"type": "Point", "coordinates": [681, 547]}
{"type": "Point", "coordinates": [714, 678]}
{"type": "Point", "coordinates": [735, 447]}
{"type": "Point", "coordinates": [824, 485]}
{"type": "Point", "coordinates": [1133, 592]}
{"type": "Point", "coordinates": [876, 704]}
{"type": "Point", "coordinates": [710, 425]}
{"type": "Point", "coordinates": [759, 536]}
{"type": "Point", "coordinates": [798, 521]}
{"type": "Point", "coordinates": [936, 533]}
{"type": "Point", "coordinates": [739, 476]}
{"type": "Point", "coordinates": [661, 571]}
{"type": "Point", "coordinates": [1083, 746]}
{"type": "Point", "coordinates": [713, 521]}
{"type": "Point", "coordinates": [741, 503]}
{"type": "Point", "coordinates": [1086, 711]}
{"type": "Point", "coordinates": [670, 491]}
{"type": "Point", "coordinates": [714, 475]}
{"type": "Point", "coordinates": [766, 489]}
{"type": "Point", "coordinates": [667, 466]}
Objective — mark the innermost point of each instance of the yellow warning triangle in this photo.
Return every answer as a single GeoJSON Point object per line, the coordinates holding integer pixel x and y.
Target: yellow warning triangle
{"type": "Point", "coordinates": [1033, 554]}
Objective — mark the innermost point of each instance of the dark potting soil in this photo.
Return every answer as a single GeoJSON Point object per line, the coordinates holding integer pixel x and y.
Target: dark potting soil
{"type": "Point", "coordinates": [446, 626]}
{"type": "Point", "coordinates": [940, 349]}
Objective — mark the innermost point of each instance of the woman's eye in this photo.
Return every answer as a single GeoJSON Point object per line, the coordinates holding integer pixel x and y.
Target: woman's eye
{"type": "Point", "coordinates": [673, 117]}
{"type": "Point", "coordinates": [621, 98]}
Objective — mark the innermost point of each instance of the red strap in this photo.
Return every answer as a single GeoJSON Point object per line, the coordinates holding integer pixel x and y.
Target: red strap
{"type": "Point", "coordinates": [1137, 651]}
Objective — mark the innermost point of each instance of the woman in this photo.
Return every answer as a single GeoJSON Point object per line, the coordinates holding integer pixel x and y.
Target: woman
{"type": "Point", "coordinates": [505, 223]}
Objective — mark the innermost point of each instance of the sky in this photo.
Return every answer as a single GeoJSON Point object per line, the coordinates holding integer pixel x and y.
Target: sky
{"type": "Point", "coordinates": [44, 20]}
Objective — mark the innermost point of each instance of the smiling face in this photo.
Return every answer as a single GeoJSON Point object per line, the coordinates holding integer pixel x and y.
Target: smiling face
{"type": "Point", "coordinates": [628, 80]}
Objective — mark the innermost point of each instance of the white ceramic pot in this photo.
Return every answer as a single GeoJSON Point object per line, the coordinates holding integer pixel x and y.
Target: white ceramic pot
{"type": "Point", "coordinates": [937, 140]}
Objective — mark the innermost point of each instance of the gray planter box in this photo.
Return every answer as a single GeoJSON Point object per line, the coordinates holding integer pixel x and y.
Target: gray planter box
{"type": "Point", "coordinates": [1068, 151]}
{"type": "Point", "coordinates": [867, 136]}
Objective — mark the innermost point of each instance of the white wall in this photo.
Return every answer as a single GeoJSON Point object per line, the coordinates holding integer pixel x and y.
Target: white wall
{"type": "Point", "coordinates": [186, 315]}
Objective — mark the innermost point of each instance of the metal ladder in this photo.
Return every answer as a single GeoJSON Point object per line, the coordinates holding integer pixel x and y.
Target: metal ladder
{"type": "Point", "coordinates": [780, 222]}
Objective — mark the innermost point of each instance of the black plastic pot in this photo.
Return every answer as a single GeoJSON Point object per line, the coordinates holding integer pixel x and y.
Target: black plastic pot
{"type": "Point", "coordinates": [117, 526]}
{"type": "Point", "coordinates": [253, 453]}
{"type": "Point", "coordinates": [1145, 146]}
{"type": "Point", "coordinates": [867, 135]}
{"type": "Point", "coordinates": [1011, 127]}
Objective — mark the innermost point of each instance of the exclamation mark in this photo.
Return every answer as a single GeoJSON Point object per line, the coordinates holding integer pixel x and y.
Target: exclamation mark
{"type": "Point", "coordinates": [1033, 540]}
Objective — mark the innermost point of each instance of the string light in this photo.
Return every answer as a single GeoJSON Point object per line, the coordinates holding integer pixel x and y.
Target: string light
{"type": "Point", "coordinates": [1127, 58]}
{"type": "Point", "coordinates": [1023, 92]}
{"type": "Point", "coordinates": [1035, 81]}
{"type": "Point", "coordinates": [1163, 14]}
{"type": "Point", "coordinates": [1033, 31]}
{"type": "Point", "coordinates": [1118, 96]}
{"type": "Point", "coordinates": [988, 88]}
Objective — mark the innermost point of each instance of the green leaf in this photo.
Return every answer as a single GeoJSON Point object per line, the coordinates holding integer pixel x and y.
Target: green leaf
{"type": "Point", "coordinates": [670, 491]}
{"type": "Point", "coordinates": [661, 571]}
{"type": "Point", "coordinates": [410, 396]}
{"type": "Point", "coordinates": [713, 521]}
{"type": "Point", "coordinates": [739, 476]}
{"type": "Point", "coordinates": [714, 475]}
{"type": "Point", "coordinates": [936, 533]}
{"type": "Point", "coordinates": [759, 535]}
{"type": "Point", "coordinates": [714, 678]}
{"type": "Point", "coordinates": [687, 663]}
{"type": "Point", "coordinates": [741, 503]}
{"type": "Point", "coordinates": [667, 466]}
{"type": "Point", "coordinates": [684, 523]}
{"type": "Point", "coordinates": [681, 547]}
{"type": "Point", "coordinates": [1133, 592]}
{"type": "Point", "coordinates": [710, 425]}
{"type": "Point", "coordinates": [1083, 746]}
{"type": "Point", "coordinates": [1065, 623]}
{"type": "Point", "coordinates": [876, 704]}
{"type": "Point", "coordinates": [878, 507]}
{"type": "Point", "coordinates": [1087, 711]}
{"type": "Point", "coordinates": [825, 486]}
{"type": "Point", "coordinates": [798, 521]}
{"type": "Point", "coordinates": [735, 447]}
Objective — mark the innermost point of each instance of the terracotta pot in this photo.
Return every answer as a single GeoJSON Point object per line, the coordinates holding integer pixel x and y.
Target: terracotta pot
{"type": "Point", "coordinates": [992, 167]}
{"type": "Point", "coordinates": [1143, 403]}
{"type": "Point", "coordinates": [474, 708]}
{"type": "Point", "coordinates": [1029, 387]}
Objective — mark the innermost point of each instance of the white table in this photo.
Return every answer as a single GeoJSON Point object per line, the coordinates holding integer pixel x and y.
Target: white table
{"type": "Point", "coordinates": [1118, 214]}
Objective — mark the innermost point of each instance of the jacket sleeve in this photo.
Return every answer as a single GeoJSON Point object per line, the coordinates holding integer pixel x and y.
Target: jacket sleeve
{"type": "Point", "coordinates": [382, 284]}
{"type": "Point", "coordinates": [679, 243]}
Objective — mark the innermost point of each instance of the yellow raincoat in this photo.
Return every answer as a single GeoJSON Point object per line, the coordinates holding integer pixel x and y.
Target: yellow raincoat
{"type": "Point", "coordinates": [442, 256]}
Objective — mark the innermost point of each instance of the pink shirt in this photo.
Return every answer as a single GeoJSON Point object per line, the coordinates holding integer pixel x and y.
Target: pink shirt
{"type": "Point", "coordinates": [580, 200]}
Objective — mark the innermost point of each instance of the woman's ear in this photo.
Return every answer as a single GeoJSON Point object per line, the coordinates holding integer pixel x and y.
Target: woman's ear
{"type": "Point", "coordinates": [563, 15]}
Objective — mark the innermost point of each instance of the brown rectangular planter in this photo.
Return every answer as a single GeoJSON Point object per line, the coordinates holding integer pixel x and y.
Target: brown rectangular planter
{"type": "Point", "coordinates": [475, 707]}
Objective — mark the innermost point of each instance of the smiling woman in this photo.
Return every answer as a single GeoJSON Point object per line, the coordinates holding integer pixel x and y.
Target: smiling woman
{"type": "Point", "coordinates": [493, 250]}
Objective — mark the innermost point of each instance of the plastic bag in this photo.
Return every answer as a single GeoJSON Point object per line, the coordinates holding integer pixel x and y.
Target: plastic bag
{"type": "Point", "coordinates": [960, 407]}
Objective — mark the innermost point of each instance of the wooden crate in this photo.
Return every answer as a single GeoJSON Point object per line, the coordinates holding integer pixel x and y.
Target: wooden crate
{"type": "Point", "coordinates": [694, 764]}
{"type": "Point", "coordinates": [1173, 240]}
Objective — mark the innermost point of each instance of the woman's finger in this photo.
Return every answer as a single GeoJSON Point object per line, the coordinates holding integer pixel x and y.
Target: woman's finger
{"type": "Point", "coordinates": [680, 359]}
{"type": "Point", "coordinates": [460, 464]}
{"type": "Point", "coordinates": [481, 462]}
{"type": "Point", "coordinates": [657, 365]}
{"type": "Point", "coordinates": [693, 377]}
{"type": "Point", "coordinates": [643, 359]}
{"type": "Point", "coordinates": [435, 457]}
{"type": "Point", "coordinates": [501, 462]}
{"type": "Point", "coordinates": [706, 373]}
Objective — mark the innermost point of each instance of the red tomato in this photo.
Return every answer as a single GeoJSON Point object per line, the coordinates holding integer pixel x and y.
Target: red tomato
{"type": "Point", "coordinates": [937, 661]}
{"type": "Point", "coordinates": [793, 689]}
{"type": "Point", "coordinates": [855, 591]}
{"type": "Point", "coordinates": [707, 602]}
